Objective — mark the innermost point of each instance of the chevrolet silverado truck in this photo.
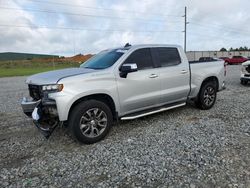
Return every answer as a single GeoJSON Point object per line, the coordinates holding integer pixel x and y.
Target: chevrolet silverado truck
{"type": "Point", "coordinates": [120, 84]}
{"type": "Point", "coordinates": [245, 73]}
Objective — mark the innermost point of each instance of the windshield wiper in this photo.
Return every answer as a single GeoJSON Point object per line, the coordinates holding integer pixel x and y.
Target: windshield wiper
{"type": "Point", "coordinates": [87, 67]}
{"type": "Point", "coordinates": [95, 68]}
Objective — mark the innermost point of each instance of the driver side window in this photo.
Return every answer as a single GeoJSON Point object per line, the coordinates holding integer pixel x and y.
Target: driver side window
{"type": "Point", "coordinates": [142, 58]}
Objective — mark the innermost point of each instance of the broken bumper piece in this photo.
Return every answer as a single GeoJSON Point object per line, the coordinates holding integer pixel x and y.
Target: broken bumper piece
{"type": "Point", "coordinates": [43, 121]}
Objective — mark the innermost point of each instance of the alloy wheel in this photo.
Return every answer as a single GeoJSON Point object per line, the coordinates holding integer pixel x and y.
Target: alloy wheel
{"type": "Point", "coordinates": [209, 96]}
{"type": "Point", "coordinates": [93, 122]}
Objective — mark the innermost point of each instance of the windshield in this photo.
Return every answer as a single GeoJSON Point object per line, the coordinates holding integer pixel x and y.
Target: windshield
{"type": "Point", "coordinates": [102, 60]}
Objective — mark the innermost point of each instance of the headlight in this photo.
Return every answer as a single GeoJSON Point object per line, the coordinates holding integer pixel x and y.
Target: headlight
{"type": "Point", "coordinates": [243, 70]}
{"type": "Point", "coordinates": [53, 88]}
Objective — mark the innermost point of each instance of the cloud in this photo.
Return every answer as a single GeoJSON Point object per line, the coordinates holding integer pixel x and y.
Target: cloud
{"type": "Point", "coordinates": [213, 24]}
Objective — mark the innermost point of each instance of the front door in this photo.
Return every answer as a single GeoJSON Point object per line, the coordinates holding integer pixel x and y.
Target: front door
{"type": "Point", "coordinates": [141, 89]}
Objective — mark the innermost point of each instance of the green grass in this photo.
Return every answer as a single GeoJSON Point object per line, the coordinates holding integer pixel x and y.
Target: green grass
{"type": "Point", "coordinates": [29, 67]}
{"type": "Point", "coordinates": [5, 56]}
{"type": "Point", "coordinates": [23, 71]}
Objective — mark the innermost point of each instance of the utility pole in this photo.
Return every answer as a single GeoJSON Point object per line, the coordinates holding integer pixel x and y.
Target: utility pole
{"type": "Point", "coordinates": [74, 33]}
{"type": "Point", "coordinates": [53, 62]}
{"type": "Point", "coordinates": [185, 30]}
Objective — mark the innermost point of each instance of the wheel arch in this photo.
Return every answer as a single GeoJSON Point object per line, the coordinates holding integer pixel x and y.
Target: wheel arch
{"type": "Point", "coordinates": [103, 97]}
{"type": "Point", "coordinates": [206, 80]}
{"type": "Point", "coordinates": [211, 79]}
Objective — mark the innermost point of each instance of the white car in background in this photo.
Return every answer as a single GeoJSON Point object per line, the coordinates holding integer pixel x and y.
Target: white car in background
{"type": "Point", "coordinates": [245, 73]}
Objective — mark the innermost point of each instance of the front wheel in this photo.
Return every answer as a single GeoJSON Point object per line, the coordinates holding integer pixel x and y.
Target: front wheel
{"type": "Point", "coordinates": [244, 82]}
{"type": "Point", "coordinates": [207, 96]}
{"type": "Point", "coordinates": [90, 121]}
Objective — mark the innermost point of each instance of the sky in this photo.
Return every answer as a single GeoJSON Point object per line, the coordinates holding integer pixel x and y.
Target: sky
{"type": "Point", "coordinates": [66, 28]}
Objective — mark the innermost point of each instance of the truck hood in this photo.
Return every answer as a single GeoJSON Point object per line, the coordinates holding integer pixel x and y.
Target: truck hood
{"type": "Point", "coordinates": [52, 77]}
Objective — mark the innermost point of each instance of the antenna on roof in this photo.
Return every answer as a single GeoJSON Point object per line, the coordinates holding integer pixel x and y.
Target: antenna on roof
{"type": "Point", "coordinates": [127, 45]}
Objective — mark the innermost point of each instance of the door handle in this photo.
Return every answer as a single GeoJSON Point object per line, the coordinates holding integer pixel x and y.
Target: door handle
{"type": "Point", "coordinates": [153, 76]}
{"type": "Point", "coordinates": [184, 72]}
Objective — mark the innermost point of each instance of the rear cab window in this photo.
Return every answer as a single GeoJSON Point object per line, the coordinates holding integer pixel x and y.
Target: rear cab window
{"type": "Point", "coordinates": [142, 58]}
{"type": "Point", "coordinates": [168, 56]}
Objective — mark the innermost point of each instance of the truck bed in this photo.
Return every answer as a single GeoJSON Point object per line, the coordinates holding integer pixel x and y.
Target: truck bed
{"type": "Point", "coordinates": [200, 70]}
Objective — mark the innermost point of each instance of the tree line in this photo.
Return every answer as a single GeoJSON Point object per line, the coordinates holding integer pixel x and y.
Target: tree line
{"type": "Point", "coordinates": [235, 49]}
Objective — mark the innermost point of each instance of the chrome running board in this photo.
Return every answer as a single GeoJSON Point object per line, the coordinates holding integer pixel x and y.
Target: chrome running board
{"type": "Point", "coordinates": [135, 116]}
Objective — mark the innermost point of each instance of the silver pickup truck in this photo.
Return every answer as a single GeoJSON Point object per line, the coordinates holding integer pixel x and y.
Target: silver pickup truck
{"type": "Point", "coordinates": [120, 84]}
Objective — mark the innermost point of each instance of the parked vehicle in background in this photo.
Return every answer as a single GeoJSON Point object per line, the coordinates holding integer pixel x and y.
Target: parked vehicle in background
{"type": "Point", "coordinates": [203, 59]}
{"type": "Point", "coordinates": [224, 58]}
{"type": "Point", "coordinates": [120, 84]}
{"type": "Point", "coordinates": [245, 73]}
{"type": "Point", "coordinates": [236, 60]}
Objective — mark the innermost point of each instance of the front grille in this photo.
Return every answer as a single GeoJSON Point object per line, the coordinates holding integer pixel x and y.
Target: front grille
{"type": "Point", "coordinates": [248, 69]}
{"type": "Point", "coordinates": [35, 92]}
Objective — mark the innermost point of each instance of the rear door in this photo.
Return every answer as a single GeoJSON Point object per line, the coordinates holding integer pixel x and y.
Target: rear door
{"type": "Point", "coordinates": [142, 89]}
{"type": "Point", "coordinates": [174, 75]}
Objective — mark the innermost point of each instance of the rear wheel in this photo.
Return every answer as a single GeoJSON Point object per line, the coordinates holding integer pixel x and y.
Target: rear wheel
{"type": "Point", "coordinates": [90, 121]}
{"type": "Point", "coordinates": [207, 96]}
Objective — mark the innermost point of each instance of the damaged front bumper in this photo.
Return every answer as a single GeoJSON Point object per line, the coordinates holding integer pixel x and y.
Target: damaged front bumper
{"type": "Point", "coordinates": [43, 113]}
{"type": "Point", "coordinates": [28, 106]}
{"type": "Point", "coordinates": [245, 77]}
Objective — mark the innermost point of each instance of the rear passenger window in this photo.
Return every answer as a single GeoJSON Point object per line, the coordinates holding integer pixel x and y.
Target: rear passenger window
{"type": "Point", "coordinates": [168, 56]}
{"type": "Point", "coordinates": [142, 58]}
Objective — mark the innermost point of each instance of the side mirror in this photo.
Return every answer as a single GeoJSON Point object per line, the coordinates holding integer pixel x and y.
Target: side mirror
{"type": "Point", "coordinates": [127, 68]}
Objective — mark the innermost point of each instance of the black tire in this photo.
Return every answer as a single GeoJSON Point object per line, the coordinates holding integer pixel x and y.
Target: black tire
{"type": "Point", "coordinates": [244, 82]}
{"type": "Point", "coordinates": [207, 96]}
{"type": "Point", "coordinates": [81, 119]}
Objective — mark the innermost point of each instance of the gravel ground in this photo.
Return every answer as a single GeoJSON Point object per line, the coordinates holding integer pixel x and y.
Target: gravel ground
{"type": "Point", "coordinates": [185, 147]}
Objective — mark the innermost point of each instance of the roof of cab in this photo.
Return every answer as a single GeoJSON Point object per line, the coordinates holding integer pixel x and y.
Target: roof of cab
{"type": "Point", "coordinates": [138, 46]}
{"type": "Point", "coordinates": [154, 45]}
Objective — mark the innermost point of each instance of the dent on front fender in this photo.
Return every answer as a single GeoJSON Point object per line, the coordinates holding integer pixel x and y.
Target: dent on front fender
{"type": "Point", "coordinates": [63, 101]}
